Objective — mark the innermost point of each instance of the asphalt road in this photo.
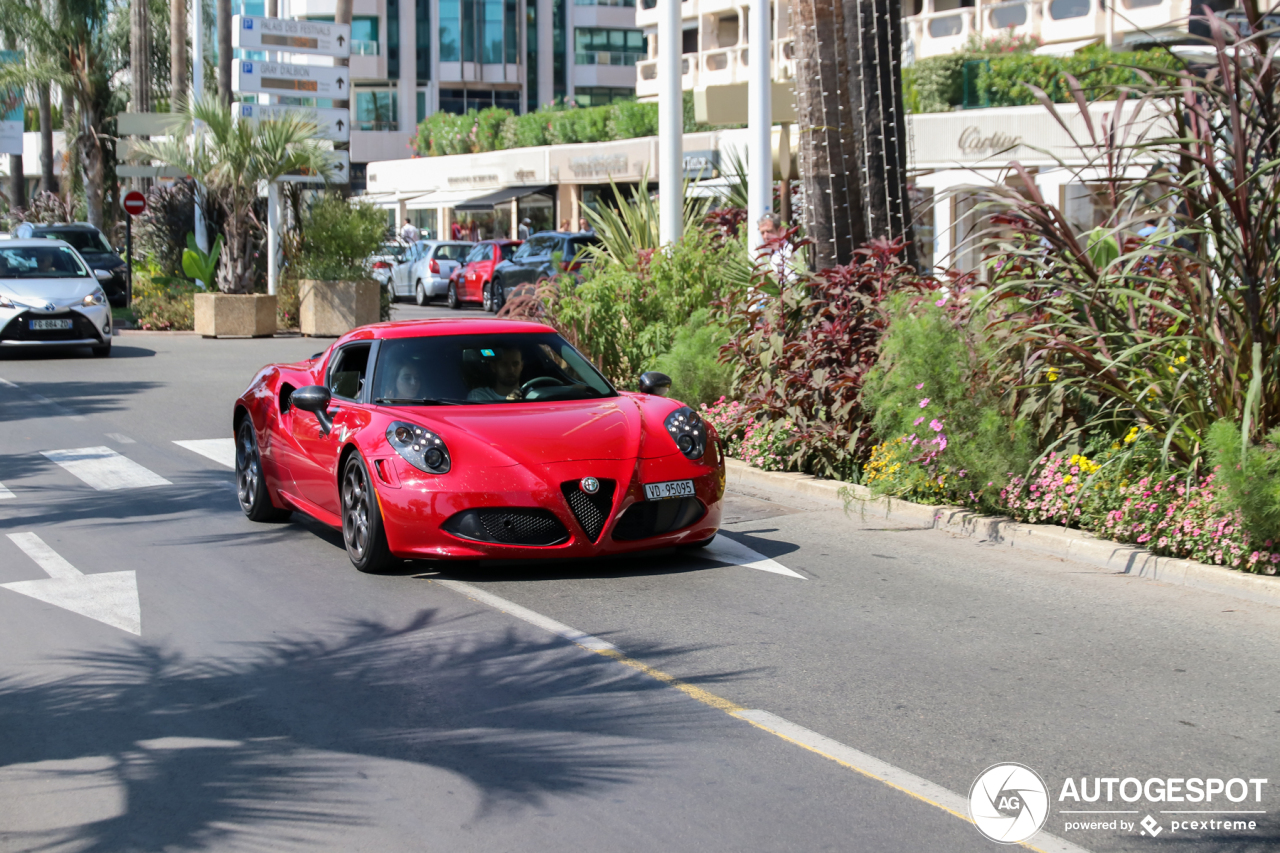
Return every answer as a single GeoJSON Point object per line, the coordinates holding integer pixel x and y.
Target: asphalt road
{"type": "Point", "coordinates": [273, 698]}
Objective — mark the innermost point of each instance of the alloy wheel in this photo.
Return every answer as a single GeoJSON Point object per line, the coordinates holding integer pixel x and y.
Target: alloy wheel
{"type": "Point", "coordinates": [248, 466]}
{"type": "Point", "coordinates": [355, 510]}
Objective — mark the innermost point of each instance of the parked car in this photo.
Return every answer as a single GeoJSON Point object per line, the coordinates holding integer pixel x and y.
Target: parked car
{"type": "Point", "coordinates": [424, 271]}
{"type": "Point", "coordinates": [97, 252]}
{"type": "Point", "coordinates": [536, 261]}
{"type": "Point", "coordinates": [50, 297]}
{"type": "Point", "coordinates": [474, 440]}
{"type": "Point", "coordinates": [384, 261]}
{"type": "Point", "coordinates": [471, 283]}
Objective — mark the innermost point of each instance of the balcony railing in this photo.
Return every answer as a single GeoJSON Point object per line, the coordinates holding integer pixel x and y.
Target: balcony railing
{"type": "Point", "coordinates": [627, 3]}
{"type": "Point", "coordinates": [935, 32]}
{"type": "Point", "coordinates": [364, 47]}
{"type": "Point", "coordinates": [605, 57]}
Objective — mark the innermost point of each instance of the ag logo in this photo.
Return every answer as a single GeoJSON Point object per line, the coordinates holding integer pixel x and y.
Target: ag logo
{"type": "Point", "coordinates": [1009, 803]}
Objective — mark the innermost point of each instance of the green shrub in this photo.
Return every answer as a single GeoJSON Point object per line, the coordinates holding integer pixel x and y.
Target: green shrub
{"type": "Point", "coordinates": [631, 119]}
{"type": "Point", "coordinates": [488, 128]}
{"type": "Point", "coordinates": [162, 303]}
{"type": "Point", "coordinates": [527, 130]}
{"type": "Point", "coordinates": [937, 83]}
{"type": "Point", "coordinates": [1252, 478]}
{"type": "Point", "coordinates": [693, 362]}
{"type": "Point", "coordinates": [338, 236]}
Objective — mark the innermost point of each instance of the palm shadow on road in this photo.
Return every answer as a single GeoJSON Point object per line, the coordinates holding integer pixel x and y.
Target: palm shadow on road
{"type": "Point", "coordinates": [34, 400]}
{"type": "Point", "coordinates": [268, 746]}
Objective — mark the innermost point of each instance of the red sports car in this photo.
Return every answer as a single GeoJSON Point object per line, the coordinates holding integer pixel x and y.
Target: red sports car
{"type": "Point", "coordinates": [472, 281]}
{"type": "Point", "coordinates": [474, 439]}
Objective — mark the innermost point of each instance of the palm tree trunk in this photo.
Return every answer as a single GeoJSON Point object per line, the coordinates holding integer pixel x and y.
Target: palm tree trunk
{"type": "Point", "coordinates": [94, 165]}
{"type": "Point", "coordinates": [48, 180]}
{"type": "Point", "coordinates": [177, 54]}
{"type": "Point", "coordinates": [832, 210]}
{"type": "Point", "coordinates": [140, 56]}
{"type": "Point", "coordinates": [224, 50]}
{"type": "Point", "coordinates": [873, 32]}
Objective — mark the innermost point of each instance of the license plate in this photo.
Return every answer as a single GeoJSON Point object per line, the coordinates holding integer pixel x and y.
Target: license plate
{"type": "Point", "coordinates": [673, 489]}
{"type": "Point", "coordinates": [46, 325]}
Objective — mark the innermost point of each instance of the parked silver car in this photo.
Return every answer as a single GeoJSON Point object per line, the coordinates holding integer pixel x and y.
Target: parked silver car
{"type": "Point", "coordinates": [424, 271]}
{"type": "Point", "coordinates": [49, 297]}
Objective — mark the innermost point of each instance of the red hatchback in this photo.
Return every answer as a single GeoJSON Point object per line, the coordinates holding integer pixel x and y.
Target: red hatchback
{"type": "Point", "coordinates": [471, 282]}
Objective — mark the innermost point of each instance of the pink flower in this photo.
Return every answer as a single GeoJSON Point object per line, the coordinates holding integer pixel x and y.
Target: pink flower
{"type": "Point", "coordinates": [918, 421]}
{"type": "Point", "coordinates": [924, 402]}
{"type": "Point", "coordinates": [935, 425]}
{"type": "Point", "coordinates": [921, 385]}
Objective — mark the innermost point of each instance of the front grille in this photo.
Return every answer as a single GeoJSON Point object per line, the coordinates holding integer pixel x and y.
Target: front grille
{"type": "Point", "coordinates": [19, 328]}
{"type": "Point", "coordinates": [592, 511]}
{"type": "Point", "coordinates": [653, 518]}
{"type": "Point", "coordinates": [508, 526]}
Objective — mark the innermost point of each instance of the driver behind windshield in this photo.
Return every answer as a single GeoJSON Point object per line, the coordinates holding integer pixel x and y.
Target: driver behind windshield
{"type": "Point", "coordinates": [507, 368]}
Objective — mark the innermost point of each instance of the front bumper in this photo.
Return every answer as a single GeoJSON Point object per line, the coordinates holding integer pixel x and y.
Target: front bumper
{"type": "Point", "coordinates": [90, 326]}
{"type": "Point", "coordinates": [417, 508]}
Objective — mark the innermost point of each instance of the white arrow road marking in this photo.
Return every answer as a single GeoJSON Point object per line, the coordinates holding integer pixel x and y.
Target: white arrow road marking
{"type": "Point", "coordinates": [110, 597]}
{"type": "Point", "coordinates": [104, 469]}
{"type": "Point", "coordinates": [725, 550]}
{"type": "Point", "coordinates": [5, 494]}
{"type": "Point", "coordinates": [220, 450]}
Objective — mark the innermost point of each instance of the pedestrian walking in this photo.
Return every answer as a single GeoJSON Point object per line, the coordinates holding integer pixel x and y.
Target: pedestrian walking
{"type": "Point", "coordinates": [522, 232]}
{"type": "Point", "coordinates": [409, 233]}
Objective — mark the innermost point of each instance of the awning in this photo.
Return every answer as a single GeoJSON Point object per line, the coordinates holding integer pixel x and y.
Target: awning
{"type": "Point", "coordinates": [390, 200]}
{"type": "Point", "coordinates": [491, 200]}
{"type": "Point", "coordinates": [1066, 48]}
{"type": "Point", "coordinates": [445, 198]}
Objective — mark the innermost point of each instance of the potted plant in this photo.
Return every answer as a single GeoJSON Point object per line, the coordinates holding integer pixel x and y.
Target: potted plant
{"type": "Point", "coordinates": [335, 292]}
{"type": "Point", "coordinates": [233, 161]}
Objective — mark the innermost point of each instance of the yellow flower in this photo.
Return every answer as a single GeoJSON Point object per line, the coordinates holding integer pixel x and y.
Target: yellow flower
{"type": "Point", "coordinates": [1173, 369]}
{"type": "Point", "coordinates": [1182, 359]}
{"type": "Point", "coordinates": [1053, 374]}
{"type": "Point", "coordinates": [1066, 481]}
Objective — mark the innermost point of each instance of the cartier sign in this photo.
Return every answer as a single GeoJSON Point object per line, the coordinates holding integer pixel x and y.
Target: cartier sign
{"type": "Point", "coordinates": [972, 141]}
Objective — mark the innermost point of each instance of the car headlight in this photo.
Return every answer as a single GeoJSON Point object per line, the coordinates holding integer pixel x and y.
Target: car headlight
{"type": "Point", "coordinates": [421, 448]}
{"type": "Point", "coordinates": [688, 431]}
{"type": "Point", "coordinates": [98, 297]}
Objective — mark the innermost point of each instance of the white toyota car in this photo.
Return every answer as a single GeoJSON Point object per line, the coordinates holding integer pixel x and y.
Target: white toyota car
{"type": "Point", "coordinates": [49, 297]}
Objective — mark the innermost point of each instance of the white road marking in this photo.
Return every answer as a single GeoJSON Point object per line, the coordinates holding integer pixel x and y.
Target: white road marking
{"type": "Point", "coordinates": [868, 765]}
{"type": "Point", "coordinates": [5, 494]}
{"type": "Point", "coordinates": [220, 450]}
{"type": "Point", "coordinates": [725, 550]}
{"type": "Point", "coordinates": [120, 438]}
{"type": "Point", "coordinates": [109, 597]}
{"type": "Point", "coordinates": [6, 383]}
{"type": "Point", "coordinates": [546, 623]}
{"type": "Point", "coordinates": [104, 469]}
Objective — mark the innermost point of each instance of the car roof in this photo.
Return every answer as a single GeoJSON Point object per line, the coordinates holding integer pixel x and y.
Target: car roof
{"type": "Point", "coordinates": [63, 226]}
{"type": "Point", "coordinates": [27, 244]}
{"type": "Point", "coordinates": [442, 327]}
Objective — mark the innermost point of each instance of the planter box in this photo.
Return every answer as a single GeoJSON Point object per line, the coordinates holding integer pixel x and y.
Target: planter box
{"type": "Point", "coordinates": [327, 309]}
{"type": "Point", "coordinates": [235, 315]}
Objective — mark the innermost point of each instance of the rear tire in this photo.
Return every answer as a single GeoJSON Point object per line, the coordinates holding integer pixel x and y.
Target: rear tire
{"type": "Point", "coordinates": [451, 297]}
{"type": "Point", "coordinates": [251, 486]}
{"type": "Point", "coordinates": [391, 292]}
{"type": "Point", "coordinates": [486, 300]}
{"type": "Point", "coordinates": [497, 296]}
{"type": "Point", "coordinates": [362, 530]}
{"type": "Point", "coordinates": [420, 294]}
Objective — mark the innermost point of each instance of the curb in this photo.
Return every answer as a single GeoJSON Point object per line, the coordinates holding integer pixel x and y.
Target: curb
{"type": "Point", "coordinates": [1047, 539]}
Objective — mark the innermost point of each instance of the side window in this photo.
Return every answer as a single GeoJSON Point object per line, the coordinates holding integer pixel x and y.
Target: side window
{"type": "Point", "coordinates": [350, 367]}
{"type": "Point", "coordinates": [487, 252]}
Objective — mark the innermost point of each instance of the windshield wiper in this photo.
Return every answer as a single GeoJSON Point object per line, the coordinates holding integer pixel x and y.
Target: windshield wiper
{"type": "Point", "coordinates": [414, 401]}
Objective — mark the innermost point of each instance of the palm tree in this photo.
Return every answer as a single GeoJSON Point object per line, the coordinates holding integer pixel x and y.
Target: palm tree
{"type": "Point", "coordinates": [233, 161]}
{"type": "Point", "coordinates": [832, 212]}
{"type": "Point", "coordinates": [71, 48]}
{"type": "Point", "coordinates": [177, 54]}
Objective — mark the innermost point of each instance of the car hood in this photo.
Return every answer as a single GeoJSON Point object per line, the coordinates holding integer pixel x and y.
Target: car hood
{"type": "Point", "coordinates": [541, 434]}
{"type": "Point", "coordinates": [102, 260]}
{"type": "Point", "coordinates": [38, 292]}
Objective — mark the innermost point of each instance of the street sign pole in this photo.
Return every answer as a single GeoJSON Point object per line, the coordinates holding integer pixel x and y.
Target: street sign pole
{"type": "Point", "coordinates": [134, 204]}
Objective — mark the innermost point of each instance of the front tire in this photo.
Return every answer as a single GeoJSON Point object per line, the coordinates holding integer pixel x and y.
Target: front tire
{"type": "Point", "coordinates": [497, 296]}
{"type": "Point", "coordinates": [251, 486]}
{"type": "Point", "coordinates": [420, 294]}
{"type": "Point", "coordinates": [362, 530]}
{"type": "Point", "coordinates": [486, 300]}
{"type": "Point", "coordinates": [451, 298]}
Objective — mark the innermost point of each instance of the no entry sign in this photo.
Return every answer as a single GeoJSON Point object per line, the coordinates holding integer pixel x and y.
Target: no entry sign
{"type": "Point", "coordinates": [134, 203]}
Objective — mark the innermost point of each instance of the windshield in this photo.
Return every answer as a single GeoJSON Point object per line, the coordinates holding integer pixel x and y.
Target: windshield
{"type": "Point", "coordinates": [84, 241]}
{"type": "Point", "coordinates": [511, 368]}
{"type": "Point", "coordinates": [41, 262]}
{"type": "Point", "coordinates": [452, 251]}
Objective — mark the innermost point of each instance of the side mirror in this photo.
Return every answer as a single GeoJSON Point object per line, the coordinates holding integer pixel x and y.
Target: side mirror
{"type": "Point", "coordinates": [653, 382]}
{"type": "Point", "coordinates": [102, 275]}
{"type": "Point", "coordinates": [314, 399]}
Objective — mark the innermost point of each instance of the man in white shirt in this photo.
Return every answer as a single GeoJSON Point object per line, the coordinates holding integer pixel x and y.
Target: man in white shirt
{"type": "Point", "coordinates": [507, 369]}
{"type": "Point", "coordinates": [781, 254]}
{"type": "Point", "coordinates": [409, 233]}
{"type": "Point", "coordinates": [523, 232]}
